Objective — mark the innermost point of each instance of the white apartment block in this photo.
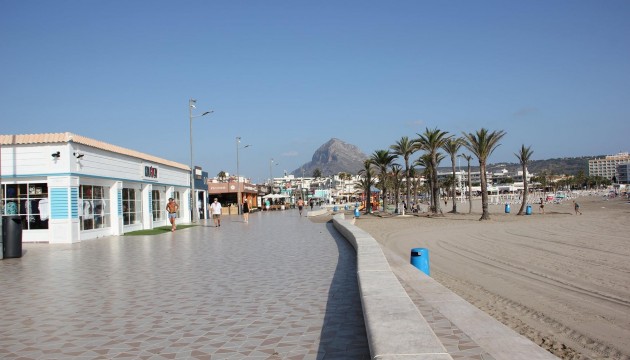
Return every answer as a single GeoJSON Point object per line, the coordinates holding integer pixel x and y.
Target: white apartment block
{"type": "Point", "coordinates": [607, 167]}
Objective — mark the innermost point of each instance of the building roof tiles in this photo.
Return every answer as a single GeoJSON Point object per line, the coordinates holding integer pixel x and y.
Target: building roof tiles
{"type": "Point", "coordinates": [51, 138]}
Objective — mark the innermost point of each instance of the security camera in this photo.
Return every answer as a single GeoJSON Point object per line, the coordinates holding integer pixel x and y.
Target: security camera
{"type": "Point", "coordinates": [78, 155]}
{"type": "Point", "coordinates": [56, 155]}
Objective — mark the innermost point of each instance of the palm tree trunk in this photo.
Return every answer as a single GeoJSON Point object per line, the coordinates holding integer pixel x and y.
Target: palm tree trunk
{"type": "Point", "coordinates": [408, 199]}
{"type": "Point", "coordinates": [435, 195]}
{"type": "Point", "coordinates": [485, 215]}
{"type": "Point", "coordinates": [525, 191]}
{"type": "Point", "coordinates": [454, 211]}
{"type": "Point", "coordinates": [469, 190]}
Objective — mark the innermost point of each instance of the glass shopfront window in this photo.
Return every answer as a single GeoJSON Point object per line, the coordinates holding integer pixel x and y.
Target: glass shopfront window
{"type": "Point", "coordinates": [94, 204]}
{"type": "Point", "coordinates": [132, 206]}
{"type": "Point", "coordinates": [156, 205]}
{"type": "Point", "coordinates": [30, 201]}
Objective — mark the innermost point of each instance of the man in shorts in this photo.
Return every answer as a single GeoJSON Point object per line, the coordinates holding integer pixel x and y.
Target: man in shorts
{"type": "Point", "coordinates": [300, 204]}
{"type": "Point", "coordinates": [171, 208]}
{"type": "Point", "coordinates": [215, 208]}
{"type": "Point", "coordinates": [576, 207]}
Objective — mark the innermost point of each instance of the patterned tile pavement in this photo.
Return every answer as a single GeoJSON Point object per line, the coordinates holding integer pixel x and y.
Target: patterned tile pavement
{"type": "Point", "coordinates": [279, 287]}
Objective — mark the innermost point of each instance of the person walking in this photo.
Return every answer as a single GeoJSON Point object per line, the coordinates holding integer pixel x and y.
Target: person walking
{"type": "Point", "coordinates": [300, 204]}
{"type": "Point", "coordinates": [245, 211]}
{"type": "Point", "coordinates": [215, 208]}
{"type": "Point", "coordinates": [576, 207]}
{"type": "Point", "coordinates": [172, 208]}
{"type": "Point", "coordinates": [541, 209]}
{"type": "Point", "coordinates": [311, 203]}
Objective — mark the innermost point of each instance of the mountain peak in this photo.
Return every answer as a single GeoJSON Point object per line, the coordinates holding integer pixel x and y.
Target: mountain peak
{"type": "Point", "coordinates": [333, 157]}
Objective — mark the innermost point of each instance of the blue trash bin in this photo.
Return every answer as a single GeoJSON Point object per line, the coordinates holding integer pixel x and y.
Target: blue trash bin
{"type": "Point", "coordinates": [346, 207]}
{"type": "Point", "coordinates": [356, 213]}
{"type": "Point", "coordinates": [507, 208]}
{"type": "Point", "coordinates": [528, 210]}
{"type": "Point", "coordinates": [420, 259]}
{"type": "Point", "coordinates": [335, 208]}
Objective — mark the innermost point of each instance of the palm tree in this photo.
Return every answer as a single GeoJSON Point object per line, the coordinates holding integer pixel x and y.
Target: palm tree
{"type": "Point", "coordinates": [382, 159]}
{"type": "Point", "coordinates": [523, 157]}
{"type": "Point", "coordinates": [367, 183]}
{"type": "Point", "coordinates": [452, 147]}
{"type": "Point", "coordinates": [431, 141]}
{"type": "Point", "coordinates": [405, 148]}
{"type": "Point", "coordinates": [482, 144]}
{"type": "Point", "coordinates": [469, 180]}
{"type": "Point", "coordinates": [415, 182]}
{"type": "Point", "coordinates": [396, 182]}
{"type": "Point", "coordinates": [425, 162]}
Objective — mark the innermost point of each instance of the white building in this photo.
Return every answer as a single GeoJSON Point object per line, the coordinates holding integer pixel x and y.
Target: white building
{"type": "Point", "coordinates": [67, 188]}
{"type": "Point", "coordinates": [607, 167]}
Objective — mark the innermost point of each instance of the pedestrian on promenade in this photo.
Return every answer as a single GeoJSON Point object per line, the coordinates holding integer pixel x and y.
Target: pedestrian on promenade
{"type": "Point", "coordinates": [312, 203]}
{"type": "Point", "coordinates": [576, 207]}
{"type": "Point", "coordinates": [171, 208]}
{"type": "Point", "coordinates": [245, 211]}
{"type": "Point", "coordinates": [267, 203]}
{"type": "Point", "coordinates": [541, 209]}
{"type": "Point", "coordinates": [300, 204]}
{"type": "Point", "coordinates": [215, 208]}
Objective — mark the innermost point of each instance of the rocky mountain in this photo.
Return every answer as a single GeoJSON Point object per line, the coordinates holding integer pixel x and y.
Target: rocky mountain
{"type": "Point", "coordinates": [333, 157]}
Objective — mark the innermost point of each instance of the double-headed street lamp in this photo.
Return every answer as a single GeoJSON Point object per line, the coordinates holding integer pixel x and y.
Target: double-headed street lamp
{"type": "Point", "coordinates": [238, 178]}
{"type": "Point", "coordinates": [193, 196]}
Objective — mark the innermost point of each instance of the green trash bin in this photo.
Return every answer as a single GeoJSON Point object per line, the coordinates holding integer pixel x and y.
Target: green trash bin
{"type": "Point", "coordinates": [12, 236]}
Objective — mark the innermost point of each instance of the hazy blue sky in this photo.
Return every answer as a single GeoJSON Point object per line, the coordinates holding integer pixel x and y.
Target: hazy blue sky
{"type": "Point", "coordinates": [287, 76]}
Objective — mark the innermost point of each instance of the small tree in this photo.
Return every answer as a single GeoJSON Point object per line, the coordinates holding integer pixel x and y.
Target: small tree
{"type": "Point", "coordinates": [524, 156]}
{"type": "Point", "coordinates": [482, 144]}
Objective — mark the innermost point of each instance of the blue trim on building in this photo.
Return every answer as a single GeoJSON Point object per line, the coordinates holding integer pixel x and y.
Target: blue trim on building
{"type": "Point", "coordinates": [150, 194]}
{"type": "Point", "coordinates": [74, 202]}
{"type": "Point", "coordinates": [44, 176]}
{"type": "Point", "coordinates": [120, 205]}
{"type": "Point", "coordinates": [58, 203]}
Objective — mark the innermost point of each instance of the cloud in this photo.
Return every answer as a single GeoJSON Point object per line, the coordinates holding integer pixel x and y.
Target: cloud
{"type": "Point", "coordinates": [291, 153]}
{"type": "Point", "coordinates": [525, 111]}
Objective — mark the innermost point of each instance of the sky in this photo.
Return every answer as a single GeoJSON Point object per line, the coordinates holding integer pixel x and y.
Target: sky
{"type": "Point", "coordinates": [287, 76]}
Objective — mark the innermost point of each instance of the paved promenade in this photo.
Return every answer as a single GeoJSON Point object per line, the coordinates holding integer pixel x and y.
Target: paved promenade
{"type": "Point", "coordinates": [280, 287]}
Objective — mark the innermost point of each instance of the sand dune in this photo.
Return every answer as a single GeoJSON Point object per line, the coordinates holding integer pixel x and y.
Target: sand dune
{"type": "Point", "coordinates": [563, 280]}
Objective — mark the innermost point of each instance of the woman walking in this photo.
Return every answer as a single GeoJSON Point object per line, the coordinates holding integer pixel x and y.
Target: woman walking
{"type": "Point", "coordinates": [245, 211]}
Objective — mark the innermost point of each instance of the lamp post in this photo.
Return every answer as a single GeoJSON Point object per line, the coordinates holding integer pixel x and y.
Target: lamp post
{"type": "Point", "coordinates": [193, 196]}
{"type": "Point", "coordinates": [271, 175]}
{"type": "Point", "coordinates": [238, 178]}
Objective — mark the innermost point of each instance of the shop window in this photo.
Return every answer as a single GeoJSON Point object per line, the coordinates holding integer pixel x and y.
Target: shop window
{"type": "Point", "coordinates": [156, 205]}
{"type": "Point", "coordinates": [30, 201]}
{"type": "Point", "coordinates": [94, 207]}
{"type": "Point", "coordinates": [132, 206]}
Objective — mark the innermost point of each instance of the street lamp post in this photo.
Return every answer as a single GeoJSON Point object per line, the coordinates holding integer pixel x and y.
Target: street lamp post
{"type": "Point", "coordinates": [193, 196]}
{"type": "Point", "coordinates": [271, 175]}
{"type": "Point", "coordinates": [238, 178]}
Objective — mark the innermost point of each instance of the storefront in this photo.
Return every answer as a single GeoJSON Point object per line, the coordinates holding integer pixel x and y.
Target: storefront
{"type": "Point", "coordinates": [67, 188]}
{"type": "Point", "coordinates": [228, 193]}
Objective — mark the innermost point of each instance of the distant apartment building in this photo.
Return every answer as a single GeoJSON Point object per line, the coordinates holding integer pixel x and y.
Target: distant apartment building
{"type": "Point", "coordinates": [608, 167]}
{"type": "Point", "coordinates": [623, 172]}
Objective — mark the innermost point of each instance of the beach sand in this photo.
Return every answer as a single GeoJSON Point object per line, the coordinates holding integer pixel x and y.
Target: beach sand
{"type": "Point", "coordinates": [560, 279]}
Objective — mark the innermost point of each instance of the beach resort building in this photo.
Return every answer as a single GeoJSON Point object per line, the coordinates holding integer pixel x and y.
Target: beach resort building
{"type": "Point", "coordinates": [67, 188]}
{"type": "Point", "coordinates": [608, 166]}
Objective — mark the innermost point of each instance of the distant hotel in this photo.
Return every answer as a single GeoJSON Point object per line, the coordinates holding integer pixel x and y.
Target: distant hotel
{"type": "Point", "coordinates": [612, 166]}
